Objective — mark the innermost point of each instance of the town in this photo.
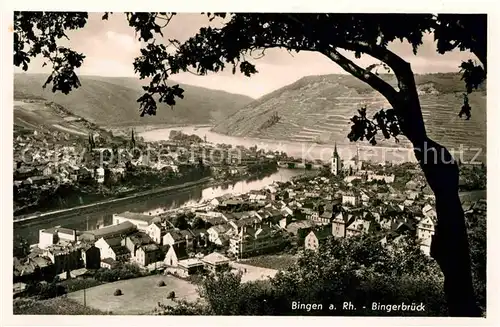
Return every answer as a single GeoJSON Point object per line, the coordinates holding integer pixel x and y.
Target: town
{"type": "Point", "coordinates": [54, 170]}
{"type": "Point", "coordinates": [350, 198]}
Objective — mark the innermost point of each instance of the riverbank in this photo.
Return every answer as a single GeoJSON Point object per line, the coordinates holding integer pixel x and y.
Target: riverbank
{"type": "Point", "coordinates": [298, 150]}
{"type": "Point", "coordinates": [392, 152]}
{"type": "Point", "coordinates": [125, 129]}
{"type": "Point", "coordinates": [207, 181]}
{"type": "Point", "coordinates": [96, 217]}
{"type": "Point", "coordinates": [91, 206]}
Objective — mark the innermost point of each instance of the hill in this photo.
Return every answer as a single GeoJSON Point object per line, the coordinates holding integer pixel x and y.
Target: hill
{"type": "Point", "coordinates": [318, 109]}
{"type": "Point", "coordinates": [43, 116]}
{"type": "Point", "coordinates": [112, 101]}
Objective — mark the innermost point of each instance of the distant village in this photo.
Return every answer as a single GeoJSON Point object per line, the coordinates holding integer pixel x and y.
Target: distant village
{"type": "Point", "coordinates": [45, 161]}
{"type": "Point", "coordinates": [352, 198]}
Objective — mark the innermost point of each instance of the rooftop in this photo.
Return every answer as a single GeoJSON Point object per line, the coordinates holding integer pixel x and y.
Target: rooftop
{"type": "Point", "coordinates": [135, 216]}
{"type": "Point", "coordinates": [176, 235]}
{"type": "Point", "coordinates": [140, 238]}
{"type": "Point", "coordinates": [215, 258]}
{"type": "Point", "coordinates": [180, 252]}
{"type": "Point", "coordinates": [113, 241]}
{"type": "Point", "coordinates": [150, 247]}
{"type": "Point", "coordinates": [125, 227]}
{"type": "Point", "coordinates": [58, 229]}
{"type": "Point", "coordinates": [109, 261]}
{"type": "Point", "coordinates": [220, 228]}
{"type": "Point", "coordinates": [191, 262]}
{"type": "Point", "coordinates": [246, 221]}
{"type": "Point", "coordinates": [120, 250]}
{"type": "Point", "coordinates": [323, 233]}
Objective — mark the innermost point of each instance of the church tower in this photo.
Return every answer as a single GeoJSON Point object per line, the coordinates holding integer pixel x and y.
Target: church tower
{"type": "Point", "coordinates": [335, 164]}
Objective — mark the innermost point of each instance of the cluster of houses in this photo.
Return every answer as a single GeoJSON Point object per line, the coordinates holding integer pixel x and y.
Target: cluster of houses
{"type": "Point", "coordinates": [134, 238]}
{"type": "Point", "coordinates": [304, 212]}
{"type": "Point", "coordinates": [41, 161]}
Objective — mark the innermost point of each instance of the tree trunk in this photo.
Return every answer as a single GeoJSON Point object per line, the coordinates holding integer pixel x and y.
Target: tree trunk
{"type": "Point", "coordinates": [450, 246]}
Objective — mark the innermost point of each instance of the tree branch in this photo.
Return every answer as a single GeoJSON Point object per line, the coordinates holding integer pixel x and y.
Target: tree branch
{"type": "Point", "coordinates": [399, 66]}
{"type": "Point", "coordinates": [364, 75]}
{"type": "Point", "coordinates": [407, 104]}
{"type": "Point", "coordinates": [405, 101]}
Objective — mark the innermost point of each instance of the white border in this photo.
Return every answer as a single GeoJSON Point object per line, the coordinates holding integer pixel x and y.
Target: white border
{"type": "Point", "coordinates": [477, 6]}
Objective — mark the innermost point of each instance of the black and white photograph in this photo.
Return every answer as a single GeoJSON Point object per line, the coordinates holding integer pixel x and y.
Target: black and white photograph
{"type": "Point", "coordinates": [248, 163]}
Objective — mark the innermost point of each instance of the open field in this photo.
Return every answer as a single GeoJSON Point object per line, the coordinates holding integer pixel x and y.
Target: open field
{"type": "Point", "coordinates": [140, 295]}
{"type": "Point", "coordinates": [272, 261]}
{"type": "Point", "coordinates": [56, 306]}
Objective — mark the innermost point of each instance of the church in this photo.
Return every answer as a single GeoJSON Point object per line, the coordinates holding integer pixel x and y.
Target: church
{"type": "Point", "coordinates": [337, 165]}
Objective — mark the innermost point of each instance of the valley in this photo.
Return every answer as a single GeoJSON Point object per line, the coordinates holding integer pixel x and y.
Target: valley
{"type": "Point", "coordinates": [112, 101]}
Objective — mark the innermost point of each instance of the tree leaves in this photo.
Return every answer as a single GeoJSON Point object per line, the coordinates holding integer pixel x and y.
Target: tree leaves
{"type": "Point", "coordinates": [147, 105]}
{"type": "Point", "coordinates": [145, 24]}
{"type": "Point", "coordinates": [466, 108]}
{"type": "Point", "coordinates": [247, 68]}
{"type": "Point", "coordinates": [385, 121]}
{"type": "Point", "coordinates": [40, 33]}
{"type": "Point", "coordinates": [473, 75]}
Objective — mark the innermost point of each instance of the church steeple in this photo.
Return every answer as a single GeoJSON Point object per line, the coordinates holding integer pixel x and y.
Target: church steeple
{"type": "Point", "coordinates": [335, 162]}
{"type": "Point", "coordinates": [335, 153]}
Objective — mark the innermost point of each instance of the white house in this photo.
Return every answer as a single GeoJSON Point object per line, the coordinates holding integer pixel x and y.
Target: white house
{"type": "Point", "coordinates": [256, 197]}
{"type": "Point", "coordinates": [315, 238]}
{"type": "Point", "coordinates": [365, 198]}
{"type": "Point", "coordinates": [286, 211]}
{"type": "Point", "coordinates": [215, 202]}
{"type": "Point", "coordinates": [425, 228]}
{"type": "Point", "coordinates": [428, 211]}
{"type": "Point", "coordinates": [349, 179]}
{"type": "Point", "coordinates": [51, 236]}
{"type": "Point", "coordinates": [350, 198]}
{"type": "Point", "coordinates": [100, 175]}
{"type": "Point", "coordinates": [425, 246]}
{"type": "Point", "coordinates": [215, 233]}
{"type": "Point", "coordinates": [358, 227]}
{"type": "Point", "coordinates": [386, 178]}
{"type": "Point", "coordinates": [215, 261]}
{"type": "Point", "coordinates": [112, 248]}
{"type": "Point", "coordinates": [156, 232]}
{"type": "Point", "coordinates": [311, 214]}
{"type": "Point", "coordinates": [174, 255]}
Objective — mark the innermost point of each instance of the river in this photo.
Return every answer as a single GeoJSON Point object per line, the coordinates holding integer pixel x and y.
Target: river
{"type": "Point", "coordinates": [315, 151]}
{"type": "Point", "coordinates": [103, 216]}
{"type": "Point", "coordinates": [299, 150]}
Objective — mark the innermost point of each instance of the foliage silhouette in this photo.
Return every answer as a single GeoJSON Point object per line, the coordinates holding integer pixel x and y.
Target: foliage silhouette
{"type": "Point", "coordinates": [358, 269]}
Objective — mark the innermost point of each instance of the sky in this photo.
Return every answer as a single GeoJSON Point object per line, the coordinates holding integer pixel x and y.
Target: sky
{"type": "Point", "coordinates": [111, 46]}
